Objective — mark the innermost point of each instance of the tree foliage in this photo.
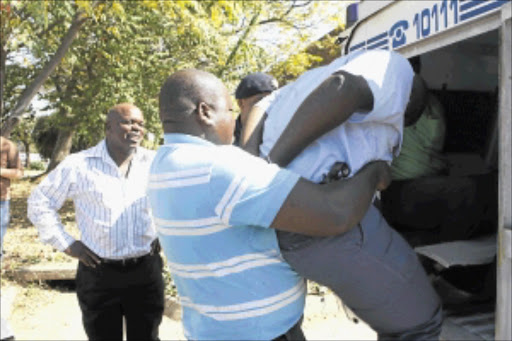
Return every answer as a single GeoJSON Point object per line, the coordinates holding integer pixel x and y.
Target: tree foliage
{"type": "Point", "coordinates": [320, 52]}
{"type": "Point", "coordinates": [124, 50]}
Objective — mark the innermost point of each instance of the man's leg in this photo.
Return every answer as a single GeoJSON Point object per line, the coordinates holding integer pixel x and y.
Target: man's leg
{"type": "Point", "coordinates": [143, 300]}
{"type": "Point", "coordinates": [4, 222]}
{"type": "Point", "coordinates": [453, 205]}
{"type": "Point", "coordinates": [376, 273]}
{"type": "Point", "coordinates": [100, 303]}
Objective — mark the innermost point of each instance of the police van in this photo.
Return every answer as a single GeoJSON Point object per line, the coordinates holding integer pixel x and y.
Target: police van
{"type": "Point", "coordinates": [464, 47]}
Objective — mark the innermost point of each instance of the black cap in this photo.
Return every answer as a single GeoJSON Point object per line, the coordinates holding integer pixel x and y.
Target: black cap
{"type": "Point", "coordinates": [254, 84]}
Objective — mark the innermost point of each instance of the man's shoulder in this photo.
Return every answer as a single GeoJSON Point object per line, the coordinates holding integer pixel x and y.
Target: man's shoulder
{"type": "Point", "coordinates": [380, 60]}
{"type": "Point", "coordinates": [177, 157]}
{"type": "Point", "coordinates": [7, 144]}
{"type": "Point", "coordinates": [77, 159]}
{"type": "Point", "coordinates": [223, 158]}
{"type": "Point", "coordinates": [74, 160]}
{"type": "Point", "coordinates": [145, 155]}
{"type": "Point", "coordinates": [229, 154]}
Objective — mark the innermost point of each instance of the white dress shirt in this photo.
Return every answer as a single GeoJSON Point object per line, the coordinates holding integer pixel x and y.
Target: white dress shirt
{"type": "Point", "coordinates": [364, 137]}
{"type": "Point", "coordinates": [112, 211]}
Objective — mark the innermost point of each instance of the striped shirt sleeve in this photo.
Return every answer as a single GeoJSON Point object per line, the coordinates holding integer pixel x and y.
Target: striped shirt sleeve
{"type": "Point", "coordinates": [46, 200]}
{"type": "Point", "coordinates": [247, 190]}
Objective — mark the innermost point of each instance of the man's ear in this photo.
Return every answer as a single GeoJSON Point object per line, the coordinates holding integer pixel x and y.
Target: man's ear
{"type": "Point", "coordinates": [205, 114]}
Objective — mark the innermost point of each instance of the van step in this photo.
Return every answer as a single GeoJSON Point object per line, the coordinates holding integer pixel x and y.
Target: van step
{"type": "Point", "coordinates": [474, 326]}
{"type": "Point", "coordinates": [463, 252]}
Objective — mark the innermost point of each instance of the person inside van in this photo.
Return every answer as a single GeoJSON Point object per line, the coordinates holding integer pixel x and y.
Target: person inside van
{"type": "Point", "coordinates": [424, 201]}
{"type": "Point", "coordinates": [371, 268]}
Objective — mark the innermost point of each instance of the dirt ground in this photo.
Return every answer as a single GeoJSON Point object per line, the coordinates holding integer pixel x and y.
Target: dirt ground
{"type": "Point", "coordinates": [38, 312]}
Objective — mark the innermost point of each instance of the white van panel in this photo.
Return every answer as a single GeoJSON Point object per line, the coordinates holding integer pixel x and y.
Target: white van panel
{"type": "Point", "coordinates": [403, 23]}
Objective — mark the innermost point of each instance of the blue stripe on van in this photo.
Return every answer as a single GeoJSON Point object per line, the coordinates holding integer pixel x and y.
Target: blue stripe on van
{"type": "Point", "coordinates": [378, 37]}
{"type": "Point", "coordinates": [358, 46]}
{"type": "Point", "coordinates": [480, 10]}
{"type": "Point", "coordinates": [378, 44]}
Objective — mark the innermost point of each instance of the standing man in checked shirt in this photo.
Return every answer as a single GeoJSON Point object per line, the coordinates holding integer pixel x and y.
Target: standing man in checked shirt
{"type": "Point", "coordinates": [120, 270]}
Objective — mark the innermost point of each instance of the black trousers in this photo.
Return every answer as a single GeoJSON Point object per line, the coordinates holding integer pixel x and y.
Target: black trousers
{"type": "Point", "coordinates": [446, 207]}
{"type": "Point", "coordinates": [110, 292]}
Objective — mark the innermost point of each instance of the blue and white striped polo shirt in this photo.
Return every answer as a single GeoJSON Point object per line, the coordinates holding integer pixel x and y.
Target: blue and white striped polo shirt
{"type": "Point", "coordinates": [212, 207]}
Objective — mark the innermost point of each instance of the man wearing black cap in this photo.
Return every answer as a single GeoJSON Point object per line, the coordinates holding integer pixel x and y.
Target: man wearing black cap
{"type": "Point", "coordinates": [251, 89]}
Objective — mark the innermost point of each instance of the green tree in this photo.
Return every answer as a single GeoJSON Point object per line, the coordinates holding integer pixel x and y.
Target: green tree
{"type": "Point", "coordinates": [22, 20]}
{"type": "Point", "coordinates": [125, 50]}
{"type": "Point", "coordinates": [320, 52]}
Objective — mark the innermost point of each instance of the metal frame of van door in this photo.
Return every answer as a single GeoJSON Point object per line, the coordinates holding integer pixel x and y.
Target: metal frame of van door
{"type": "Point", "coordinates": [504, 264]}
{"type": "Point", "coordinates": [500, 20]}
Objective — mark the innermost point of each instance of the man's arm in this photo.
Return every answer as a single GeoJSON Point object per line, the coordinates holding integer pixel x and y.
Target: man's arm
{"type": "Point", "coordinates": [43, 205]}
{"type": "Point", "coordinates": [333, 208]}
{"type": "Point", "coordinates": [246, 190]}
{"type": "Point", "coordinates": [14, 169]}
{"type": "Point", "coordinates": [252, 131]}
{"type": "Point", "coordinates": [328, 106]}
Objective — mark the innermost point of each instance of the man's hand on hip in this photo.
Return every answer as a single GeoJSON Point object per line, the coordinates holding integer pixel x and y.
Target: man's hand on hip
{"type": "Point", "coordinates": [83, 253]}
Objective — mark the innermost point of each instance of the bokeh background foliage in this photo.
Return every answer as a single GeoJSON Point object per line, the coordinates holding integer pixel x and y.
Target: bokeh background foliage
{"type": "Point", "coordinates": [79, 58]}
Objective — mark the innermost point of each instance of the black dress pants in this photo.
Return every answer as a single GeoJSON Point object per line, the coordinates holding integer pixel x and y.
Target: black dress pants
{"type": "Point", "coordinates": [110, 292]}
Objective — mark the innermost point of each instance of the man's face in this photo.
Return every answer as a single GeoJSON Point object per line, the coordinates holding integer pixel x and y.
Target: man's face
{"type": "Point", "coordinates": [224, 122]}
{"type": "Point", "coordinates": [126, 129]}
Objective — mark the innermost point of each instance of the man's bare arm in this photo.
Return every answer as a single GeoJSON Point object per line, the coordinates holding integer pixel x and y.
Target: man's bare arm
{"type": "Point", "coordinates": [11, 173]}
{"type": "Point", "coordinates": [328, 106]}
{"type": "Point", "coordinates": [252, 131]}
{"type": "Point", "coordinates": [15, 169]}
{"type": "Point", "coordinates": [333, 208]}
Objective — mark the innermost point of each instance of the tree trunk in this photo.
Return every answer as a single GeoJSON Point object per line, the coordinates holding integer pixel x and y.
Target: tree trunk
{"type": "Point", "coordinates": [62, 148]}
{"type": "Point", "coordinates": [33, 88]}
{"type": "Point", "coordinates": [3, 59]}
{"type": "Point", "coordinates": [27, 154]}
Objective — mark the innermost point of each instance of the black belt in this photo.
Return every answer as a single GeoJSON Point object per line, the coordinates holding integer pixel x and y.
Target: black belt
{"type": "Point", "coordinates": [126, 261]}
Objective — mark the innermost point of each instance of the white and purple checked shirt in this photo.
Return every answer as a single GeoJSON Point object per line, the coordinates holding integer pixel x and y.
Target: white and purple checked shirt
{"type": "Point", "coordinates": [112, 211]}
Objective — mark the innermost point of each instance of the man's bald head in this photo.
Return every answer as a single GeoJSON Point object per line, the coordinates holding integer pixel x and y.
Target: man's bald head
{"type": "Point", "coordinates": [120, 110]}
{"type": "Point", "coordinates": [196, 102]}
{"type": "Point", "coordinates": [184, 90]}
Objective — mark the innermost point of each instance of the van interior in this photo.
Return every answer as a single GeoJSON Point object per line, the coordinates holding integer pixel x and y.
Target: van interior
{"type": "Point", "coordinates": [464, 78]}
